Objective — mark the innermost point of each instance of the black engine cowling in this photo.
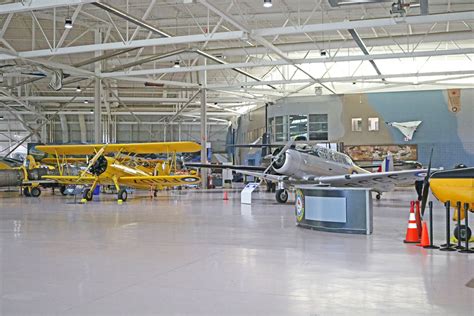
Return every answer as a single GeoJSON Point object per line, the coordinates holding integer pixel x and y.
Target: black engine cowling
{"type": "Point", "coordinates": [99, 166]}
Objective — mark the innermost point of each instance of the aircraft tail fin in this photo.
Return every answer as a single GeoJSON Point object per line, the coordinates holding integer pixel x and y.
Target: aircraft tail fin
{"type": "Point", "coordinates": [387, 164]}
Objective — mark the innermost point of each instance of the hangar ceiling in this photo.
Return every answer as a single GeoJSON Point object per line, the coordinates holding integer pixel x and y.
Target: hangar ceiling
{"type": "Point", "coordinates": [153, 57]}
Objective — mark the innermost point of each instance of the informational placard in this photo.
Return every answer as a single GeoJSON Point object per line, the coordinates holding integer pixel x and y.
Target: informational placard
{"type": "Point", "coordinates": [246, 194]}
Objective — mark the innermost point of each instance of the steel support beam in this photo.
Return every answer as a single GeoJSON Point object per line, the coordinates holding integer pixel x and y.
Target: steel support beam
{"type": "Point", "coordinates": [33, 5]}
{"type": "Point", "coordinates": [363, 48]}
{"type": "Point", "coordinates": [204, 126]}
{"type": "Point", "coordinates": [237, 35]}
{"type": "Point", "coordinates": [266, 63]}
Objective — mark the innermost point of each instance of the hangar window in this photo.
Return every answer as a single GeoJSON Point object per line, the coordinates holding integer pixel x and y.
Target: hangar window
{"type": "Point", "coordinates": [281, 128]}
{"type": "Point", "coordinates": [298, 125]}
{"type": "Point", "coordinates": [373, 124]}
{"type": "Point", "coordinates": [318, 127]}
{"type": "Point", "coordinates": [357, 124]}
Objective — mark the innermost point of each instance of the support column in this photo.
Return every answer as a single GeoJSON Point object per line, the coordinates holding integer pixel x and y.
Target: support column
{"type": "Point", "coordinates": [97, 94]}
{"type": "Point", "coordinates": [97, 113]}
{"type": "Point", "coordinates": [204, 127]}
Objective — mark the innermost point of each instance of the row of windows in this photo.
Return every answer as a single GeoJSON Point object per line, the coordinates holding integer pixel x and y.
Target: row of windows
{"type": "Point", "coordinates": [312, 127]}
{"type": "Point", "coordinates": [372, 124]}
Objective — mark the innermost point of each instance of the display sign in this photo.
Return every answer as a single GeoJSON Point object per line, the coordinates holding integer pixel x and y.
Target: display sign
{"type": "Point", "coordinates": [246, 194]}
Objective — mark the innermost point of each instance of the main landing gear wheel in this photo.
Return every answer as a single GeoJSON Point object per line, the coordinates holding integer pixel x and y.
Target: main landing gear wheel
{"type": "Point", "coordinates": [378, 196]}
{"type": "Point", "coordinates": [35, 192]}
{"type": "Point", "coordinates": [122, 195]}
{"type": "Point", "coordinates": [281, 196]}
{"type": "Point", "coordinates": [87, 195]}
{"type": "Point", "coordinates": [462, 233]}
{"type": "Point", "coordinates": [62, 189]}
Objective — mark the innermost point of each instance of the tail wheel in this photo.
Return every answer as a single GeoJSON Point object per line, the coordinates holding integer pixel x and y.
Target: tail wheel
{"type": "Point", "coordinates": [462, 233]}
{"type": "Point", "coordinates": [281, 196]}
{"type": "Point", "coordinates": [35, 192]}
{"type": "Point", "coordinates": [26, 192]}
{"type": "Point", "coordinates": [62, 189]}
{"type": "Point", "coordinates": [122, 195]}
{"type": "Point", "coordinates": [87, 194]}
{"type": "Point", "coordinates": [378, 196]}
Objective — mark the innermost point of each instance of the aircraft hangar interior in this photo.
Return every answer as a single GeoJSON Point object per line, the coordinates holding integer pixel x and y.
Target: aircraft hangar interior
{"type": "Point", "coordinates": [236, 157]}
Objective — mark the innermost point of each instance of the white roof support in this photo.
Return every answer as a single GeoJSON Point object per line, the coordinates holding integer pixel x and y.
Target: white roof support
{"type": "Point", "coordinates": [237, 35]}
{"type": "Point", "coordinates": [31, 5]}
{"type": "Point", "coordinates": [266, 63]}
{"type": "Point", "coordinates": [347, 79]}
{"type": "Point", "coordinates": [369, 23]}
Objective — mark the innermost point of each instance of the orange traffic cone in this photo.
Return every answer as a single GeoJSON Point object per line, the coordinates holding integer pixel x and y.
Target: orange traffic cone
{"type": "Point", "coordinates": [225, 196]}
{"type": "Point", "coordinates": [425, 237]}
{"type": "Point", "coordinates": [412, 231]}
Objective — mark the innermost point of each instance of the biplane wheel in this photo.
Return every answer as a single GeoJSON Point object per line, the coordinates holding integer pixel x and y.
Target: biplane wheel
{"type": "Point", "coordinates": [281, 196]}
{"type": "Point", "coordinates": [35, 192]}
{"type": "Point", "coordinates": [122, 195]}
{"type": "Point", "coordinates": [87, 194]}
{"type": "Point", "coordinates": [62, 189]}
{"type": "Point", "coordinates": [26, 192]}
{"type": "Point", "coordinates": [155, 193]}
{"type": "Point", "coordinates": [378, 196]}
{"type": "Point", "coordinates": [462, 233]}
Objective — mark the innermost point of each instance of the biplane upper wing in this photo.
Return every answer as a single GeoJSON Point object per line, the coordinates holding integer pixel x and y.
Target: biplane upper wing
{"type": "Point", "coordinates": [137, 148]}
{"type": "Point", "coordinates": [172, 180]}
{"type": "Point", "coordinates": [71, 179]}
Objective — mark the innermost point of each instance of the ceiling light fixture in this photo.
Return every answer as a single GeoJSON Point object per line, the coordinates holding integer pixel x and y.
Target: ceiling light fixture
{"type": "Point", "coordinates": [85, 101]}
{"type": "Point", "coordinates": [176, 64]}
{"type": "Point", "coordinates": [78, 89]}
{"type": "Point", "coordinates": [68, 23]}
{"type": "Point", "coordinates": [267, 3]}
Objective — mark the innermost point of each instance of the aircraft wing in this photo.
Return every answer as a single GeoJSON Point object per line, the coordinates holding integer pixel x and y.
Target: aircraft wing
{"type": "Point", "coordinates": [233, 167]}
{"type": "Point", "coordinates": [379, 181]}
{"type": "Point", "coordinates": [71, 179]}
{"type": "Point", "coordinates": [137, 148]}
{"type": "Point", "coordinates": [172, 181]}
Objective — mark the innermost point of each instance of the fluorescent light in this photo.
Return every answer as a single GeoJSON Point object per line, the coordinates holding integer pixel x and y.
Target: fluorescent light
{"type": "Point", "coordinates": [68, 23]}
{"type": "Point", "coordinates": [267, 3]}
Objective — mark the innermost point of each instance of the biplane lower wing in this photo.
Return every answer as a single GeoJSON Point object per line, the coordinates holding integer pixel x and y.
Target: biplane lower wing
{"type": "Point", "coordinates": [131, 181]}
{"type": "Point", "coordinates": [71, 179]}
{"type": "Point", "coordinates": [171, 181]}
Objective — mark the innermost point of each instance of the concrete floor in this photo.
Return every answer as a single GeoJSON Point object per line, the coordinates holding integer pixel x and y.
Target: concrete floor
{"type": "Point", "coordinates": [190, 253]}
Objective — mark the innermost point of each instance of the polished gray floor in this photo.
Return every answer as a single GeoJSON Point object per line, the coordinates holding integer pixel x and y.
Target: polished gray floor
{"type": "Point", "coordinates": [190, 253]}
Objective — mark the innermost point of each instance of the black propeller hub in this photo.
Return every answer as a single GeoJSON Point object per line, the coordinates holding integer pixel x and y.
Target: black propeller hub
{"type": "Point", "coordinates": [99, 166]}
{"type": "Point", "coordinates": [280, 161]}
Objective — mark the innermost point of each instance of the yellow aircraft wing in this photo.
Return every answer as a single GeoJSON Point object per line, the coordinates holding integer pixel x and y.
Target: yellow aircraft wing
{"type": "Point", "coordinates": [71, 179]}
{"type": "Point", "coordinates": [137, 148]}
{"type": "Point", "coordinates": [171, 181]}
{"type": "Point", "coordinates": [53, 161]}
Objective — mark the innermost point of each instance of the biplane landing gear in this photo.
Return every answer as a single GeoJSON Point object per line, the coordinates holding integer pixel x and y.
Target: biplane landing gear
{"type": "Point", "coordinates": [62, 189]}
{"type": "Point", "coordinates": [87, 195]}
{"type": "Point", "coordinates": [122, 195]}
{"type": "Point", "coordinates": [378, 196]}
{"type": "Point", "coordinates": [26, 192]}
{"type": "Point", "coordinates": [281, 195]}
{"type": "Point", "coordinates": [155, 193]}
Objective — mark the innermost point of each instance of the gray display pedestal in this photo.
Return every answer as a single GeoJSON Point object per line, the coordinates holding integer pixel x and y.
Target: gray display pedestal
{"type": "Point", "coordinates": [340, 210]}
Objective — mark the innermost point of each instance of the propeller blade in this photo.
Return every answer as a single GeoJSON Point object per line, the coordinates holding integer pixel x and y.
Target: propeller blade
{"type": "Point", "coordinates": [426, 186]}
{"type": "Point", "coordinates": [93, 160]}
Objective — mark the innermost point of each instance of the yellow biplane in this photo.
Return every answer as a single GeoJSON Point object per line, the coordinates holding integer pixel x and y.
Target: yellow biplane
{"type": "Point", "coordinates": [118, 165]}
